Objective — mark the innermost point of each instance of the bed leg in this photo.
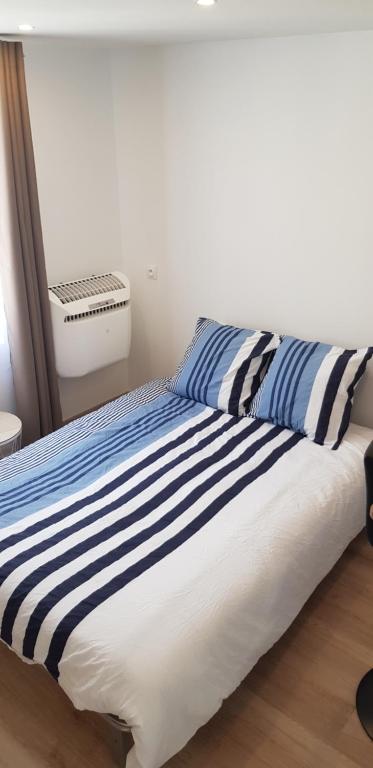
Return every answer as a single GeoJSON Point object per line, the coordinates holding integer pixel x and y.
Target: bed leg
{"type": "Point", "coordinates": [120, 739]}
{"type": "Point", "coordinates": [120, 747]}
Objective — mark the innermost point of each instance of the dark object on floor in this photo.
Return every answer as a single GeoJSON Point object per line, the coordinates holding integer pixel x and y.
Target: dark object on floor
{"type": "Point", "coordinates": [364, 693]}
{"type": "Point", "coordinates": [364, 703]}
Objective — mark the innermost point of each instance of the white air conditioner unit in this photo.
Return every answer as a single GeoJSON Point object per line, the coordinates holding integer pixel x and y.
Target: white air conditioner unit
{"type": "Point", "coordinates": [91, 321]}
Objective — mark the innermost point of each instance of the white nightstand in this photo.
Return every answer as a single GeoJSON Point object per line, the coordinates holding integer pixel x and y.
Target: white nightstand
{"type": "Point", "coordinates": [10, 434]}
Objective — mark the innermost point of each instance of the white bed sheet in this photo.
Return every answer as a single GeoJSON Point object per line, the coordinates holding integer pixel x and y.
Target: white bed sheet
{"type": "Point", "coordinates": [224, 598]}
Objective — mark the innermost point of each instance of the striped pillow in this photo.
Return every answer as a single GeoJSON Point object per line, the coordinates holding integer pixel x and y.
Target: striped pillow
{"type": "Point", "coordinates": [310, 387]}
{"type": "Point", "coordinates": [224, 366]}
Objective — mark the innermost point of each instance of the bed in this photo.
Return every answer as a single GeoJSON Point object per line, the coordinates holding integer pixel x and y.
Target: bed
{"type": "Point", "coordinates": [152, 551]}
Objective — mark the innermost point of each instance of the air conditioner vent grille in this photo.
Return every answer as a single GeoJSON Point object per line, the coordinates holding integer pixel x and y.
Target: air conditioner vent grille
{"type": "Point", "coordinates": [98, 311]}
{"type": "Point", "coordinates": [86, 287]}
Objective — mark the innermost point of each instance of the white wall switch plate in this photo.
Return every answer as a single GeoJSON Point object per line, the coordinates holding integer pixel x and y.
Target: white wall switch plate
{"type": "Point", "coordinates": [152, 272]}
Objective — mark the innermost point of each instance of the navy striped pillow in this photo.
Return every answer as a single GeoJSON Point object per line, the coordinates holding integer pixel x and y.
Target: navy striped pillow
{"type": "Point", "coordinates": [224, 366]}
{"type": "Point", "coordinates": [310, 387]}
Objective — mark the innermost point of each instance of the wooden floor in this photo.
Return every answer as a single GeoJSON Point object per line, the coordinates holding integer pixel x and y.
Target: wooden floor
{"type": "Point", "coordinates": [295, 709]}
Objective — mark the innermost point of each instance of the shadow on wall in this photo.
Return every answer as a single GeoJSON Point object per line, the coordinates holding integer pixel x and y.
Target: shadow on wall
{"type": "Point", "coordinates": [152, 344]}
{"type": "Point", "coordinates": [362, 412]}
{"type": "Point", "coordinates": [91, 391]}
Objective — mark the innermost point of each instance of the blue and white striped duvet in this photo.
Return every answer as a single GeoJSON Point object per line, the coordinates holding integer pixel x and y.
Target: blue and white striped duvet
{"type": "Point", "coordinates": [151, 552]}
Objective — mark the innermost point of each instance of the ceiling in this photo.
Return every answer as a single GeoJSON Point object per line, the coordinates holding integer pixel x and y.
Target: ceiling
{"type": "Point", "coordinates": [171, 20]}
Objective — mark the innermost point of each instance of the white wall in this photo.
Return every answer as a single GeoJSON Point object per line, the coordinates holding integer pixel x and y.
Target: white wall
{"type": "Point", "coordinates": [69, 91]}
{"type": "Point", "coordinates": [71, 110]}
{"type": "Point", "coordinates": [137, 81]}
{"type": "Point", "coordinates": [270, 182]}
{"type": "Point", "coordinates": [7, 394]}
{"type": "Point", "coordinates": [243, 169]}
{"type": "Point", "coordinates": [269, 187]}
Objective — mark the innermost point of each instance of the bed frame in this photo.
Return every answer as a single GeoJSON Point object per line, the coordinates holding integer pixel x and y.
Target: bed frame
{"type": "Point", "coordinates": [364, 693]}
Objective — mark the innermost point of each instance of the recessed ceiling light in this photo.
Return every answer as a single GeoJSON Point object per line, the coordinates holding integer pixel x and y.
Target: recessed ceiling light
{"type": "Point", "coordinates": [25, 27]}
{"type": "Point", "coordinates": [206, 3]}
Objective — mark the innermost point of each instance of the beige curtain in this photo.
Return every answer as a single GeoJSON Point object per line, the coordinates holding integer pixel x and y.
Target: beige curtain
{"type": "Point", "coordinates": [22, 262]}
